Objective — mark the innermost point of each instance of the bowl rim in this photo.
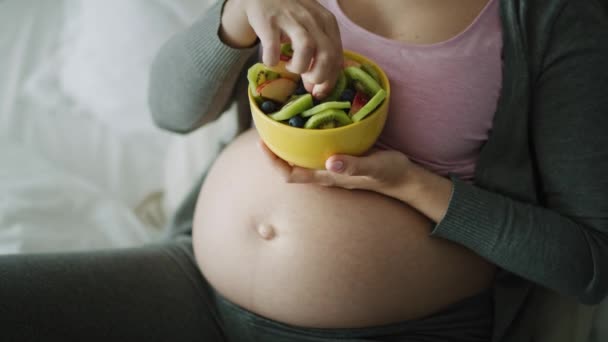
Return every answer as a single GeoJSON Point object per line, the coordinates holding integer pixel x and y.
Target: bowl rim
{"type": "Point", "coordinates": [347, 53]}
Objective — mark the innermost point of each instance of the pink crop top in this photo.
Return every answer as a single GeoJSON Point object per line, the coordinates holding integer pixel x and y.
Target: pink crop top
{"type": "Point", "coordinates": [443, 96]}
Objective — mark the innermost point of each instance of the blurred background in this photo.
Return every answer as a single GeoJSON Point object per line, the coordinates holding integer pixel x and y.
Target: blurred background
{"type": "Point", "coordinates": [81, 164]}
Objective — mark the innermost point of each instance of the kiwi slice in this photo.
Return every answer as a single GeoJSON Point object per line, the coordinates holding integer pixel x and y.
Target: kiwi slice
{"type": "Point", "coordinates": [258, 74]}
{"type": "Point", "coordinates": [339, 117]}
{"type": "Point", "coordinates": [328, 125]}
{"type": "Point", "coordinates": [325, 106]}
{"type": "Point", "coordinates": [371, 71]}
{"type": "Point", "coordinates": [338, 88]}
{"type": "Point", "coordinates": [370, 85]}
{"type": "Point", "coordinates": [269, 75]}
{"type": "Point", "coordinates": [360, 88]}
{"type": "Point", "coordinates": [293, 108]}
{"type": "Point", "coordinates": [370, 106]}
{"type": "Point", "coordinates": [286, 50]}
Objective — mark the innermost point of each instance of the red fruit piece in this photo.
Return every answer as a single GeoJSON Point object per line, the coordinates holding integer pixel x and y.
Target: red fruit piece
{"type": "Point", "coordinates": [360, 100]}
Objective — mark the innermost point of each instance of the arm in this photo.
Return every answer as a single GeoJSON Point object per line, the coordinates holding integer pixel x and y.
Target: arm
{"type": "Point", "coordinates": [564, 244]}
{"type": "Point", "coordinates": [194, 74]}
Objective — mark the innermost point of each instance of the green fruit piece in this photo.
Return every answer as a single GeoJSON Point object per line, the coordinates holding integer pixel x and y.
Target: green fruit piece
{"type": "Point", "coordinates": [293, 108]}
{"type": "Point", "coordinates": [370, 85]}
{"type": "Point", "coordinates": [370, 106]}
{"type": "Point", "coordinates": [338, 88]}
{"type": "Point", "coordinates": [258, 100]}
{"type": "Point", "coordinates": [371, 71]}
{"type": "Point", "coordinates": [270, 75]}
{"type": "Point", "coordinates": [286, 50]}
{"type": "Point", "coordinates": [360, 88]}
{"type": "Point", "coordinates": [331, 115]}
{"type": "Point", "coordinates": [253, 74]}
{"type": "Point", "coordinates": [293, 97]}
{"type": "Point", "coordinates": [325, 106]}
{"type": "Point", "coordinates": [328, 125]}
{"type": "Point", "coordinates": [260, 74]}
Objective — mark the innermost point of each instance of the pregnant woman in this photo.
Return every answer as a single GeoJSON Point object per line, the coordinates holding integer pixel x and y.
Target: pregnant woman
{"type": "Point", "coordinates": [491, 185]}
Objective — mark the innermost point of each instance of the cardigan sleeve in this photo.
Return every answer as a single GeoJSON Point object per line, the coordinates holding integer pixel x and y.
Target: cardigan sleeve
{"type": "Point", "coordinates": [562, 243]}
{"type": "Point", "coordinates": [194, 74]}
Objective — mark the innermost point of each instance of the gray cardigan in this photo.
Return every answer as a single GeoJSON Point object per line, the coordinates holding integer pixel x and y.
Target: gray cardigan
{"type": "Point", "coordinates": [539, 205]}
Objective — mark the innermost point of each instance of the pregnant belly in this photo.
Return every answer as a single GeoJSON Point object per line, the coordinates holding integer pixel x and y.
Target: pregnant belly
{"type": "Point", "coordinates": [322, 257]}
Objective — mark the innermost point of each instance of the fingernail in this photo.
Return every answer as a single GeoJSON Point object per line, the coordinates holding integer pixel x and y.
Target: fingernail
{"type": "Point", "coordinates": [337, 166]}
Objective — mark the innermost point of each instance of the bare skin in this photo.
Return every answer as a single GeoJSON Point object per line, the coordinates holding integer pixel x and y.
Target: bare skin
{"type": "Point", "coordinates": [414, 21]}
{"type": "Point", "coordinates": [312, 29]}
{"type": "Point", "coordinates": [324, 257]}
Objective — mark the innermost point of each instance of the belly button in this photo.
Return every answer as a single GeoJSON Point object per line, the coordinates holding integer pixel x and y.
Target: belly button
{"type": "Point", "coordinates": [266, 231]}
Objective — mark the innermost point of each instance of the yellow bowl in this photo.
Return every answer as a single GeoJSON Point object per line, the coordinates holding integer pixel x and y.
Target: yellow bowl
{"type": "Point", "coordinates": [310, 148]}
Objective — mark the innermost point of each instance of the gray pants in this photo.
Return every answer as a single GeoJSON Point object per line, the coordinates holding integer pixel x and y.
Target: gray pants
{"type": "Point", "coordinates": [157, 293]}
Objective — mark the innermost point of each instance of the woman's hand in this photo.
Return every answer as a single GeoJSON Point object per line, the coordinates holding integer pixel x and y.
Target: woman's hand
{"type": "Point", "coordinates": [312, 30]}
{"type": "Point", "coordinates": [378, 171]}
{"type": "Point", "coordinates": [386, 172]}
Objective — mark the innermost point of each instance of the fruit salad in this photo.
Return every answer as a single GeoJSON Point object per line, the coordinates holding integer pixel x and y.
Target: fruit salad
{"type": "Point", "coordinates": [281, 95]}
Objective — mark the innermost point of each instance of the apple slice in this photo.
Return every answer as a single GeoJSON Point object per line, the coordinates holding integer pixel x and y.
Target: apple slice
{"type": "Point", "coordinates": [360, 100]}
{"type": "Point", "coordinates": [281, 70]}
{"type": "Point", "coordinates": [278, 90]}
{"type": "Point", "coordinates": [260, 73]}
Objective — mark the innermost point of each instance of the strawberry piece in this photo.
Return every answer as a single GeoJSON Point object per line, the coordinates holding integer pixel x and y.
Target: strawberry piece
{"type": "Point", "coordinates": [360, 100]}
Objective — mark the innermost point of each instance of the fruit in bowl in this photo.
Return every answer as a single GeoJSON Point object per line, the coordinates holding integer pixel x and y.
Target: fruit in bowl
{"type": "Point", "coordinates": [304, 131]}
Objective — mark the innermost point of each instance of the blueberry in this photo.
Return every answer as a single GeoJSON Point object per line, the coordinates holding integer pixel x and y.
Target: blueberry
{"type": "Point", "coordinates": [347, 95]}
{"type": "Point", "coordinates": [300, 90]}
{"type": "Point", "coordinates": [297, 121]}
{"type": "Point", "coordinates": [269, 107]}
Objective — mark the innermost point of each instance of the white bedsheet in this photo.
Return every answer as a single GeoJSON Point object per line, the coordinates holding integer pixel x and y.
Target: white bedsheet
{"type": "Point", "coordinates": [68, 181]}
{"type": "Point", "coordinates": [46, 208]}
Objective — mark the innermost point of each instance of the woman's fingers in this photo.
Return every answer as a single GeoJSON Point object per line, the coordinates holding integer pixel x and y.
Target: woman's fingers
{"type": "Point", "coordinates": [333, 31]}
{"type": "Point", "coordinates": [303, 44]}
{"type": "Point", "coordinates": [323, 73]}
{"type": "Point", "coordinates": [270, 37]}
{"type": "Point", "coordinates": [324, 70]}
{"type": "Point", "coordinates": [276, 162]}
{"type": "Point", "coordinates": [314, 36]}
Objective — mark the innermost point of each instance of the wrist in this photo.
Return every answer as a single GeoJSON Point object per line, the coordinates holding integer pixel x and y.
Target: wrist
{"type": "Point", "coordinates": [427, 192]}
{"type": "Point", "coordinates": [412, 184]}
{"type": "Point", "coordinates": [235, 30]}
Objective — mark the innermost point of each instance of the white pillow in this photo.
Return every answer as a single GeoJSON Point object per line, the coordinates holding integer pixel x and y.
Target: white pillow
{"type": "Point", "coordinates": [108, 47]}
